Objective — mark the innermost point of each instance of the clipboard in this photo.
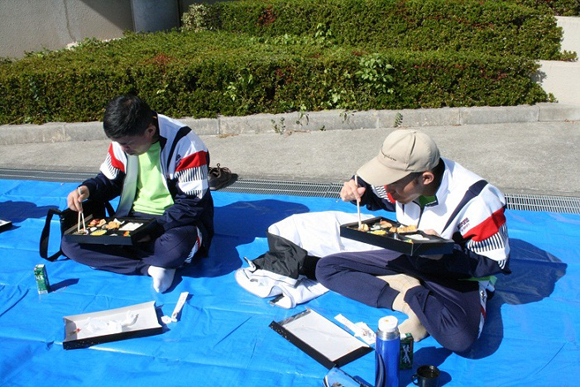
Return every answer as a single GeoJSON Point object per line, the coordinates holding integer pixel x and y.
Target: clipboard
{"type": "Point", "coordinates": [321, 339]}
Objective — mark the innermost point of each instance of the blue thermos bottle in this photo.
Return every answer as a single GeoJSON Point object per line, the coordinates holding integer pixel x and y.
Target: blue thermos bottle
{"type": "Point", "coordinates": [387, 353]}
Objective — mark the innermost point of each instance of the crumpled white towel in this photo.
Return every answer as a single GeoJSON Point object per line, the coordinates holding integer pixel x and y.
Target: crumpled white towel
{"type": "Point", "coordinates": [316, 232]}
{"type": "Point", "coordinates": [262, 284]}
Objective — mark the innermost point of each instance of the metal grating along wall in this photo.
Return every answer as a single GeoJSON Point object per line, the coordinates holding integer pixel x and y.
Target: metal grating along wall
{"type": "Point", "coordinates": [279, 187]}
{"type": "Point", "coordinates": [59, 176]}
{"type": "Point", "coordinates": [544, 203]}
{"type": "Point", "coordinates": [564, 204]}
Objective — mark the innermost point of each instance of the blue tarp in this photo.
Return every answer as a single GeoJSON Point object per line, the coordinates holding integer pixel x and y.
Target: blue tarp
{"type": "Point", "coordinates": [223, 337]}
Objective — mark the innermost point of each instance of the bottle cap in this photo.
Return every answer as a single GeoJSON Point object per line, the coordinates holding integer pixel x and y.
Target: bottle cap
{"type": "Point", "coordinates": [388, 324]}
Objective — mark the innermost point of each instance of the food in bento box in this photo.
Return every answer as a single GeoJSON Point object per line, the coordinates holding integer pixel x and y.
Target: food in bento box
{"type": "Point", "coordinates": [402, 229]}
{"type": "Point", "coordinates": [97, 222]}
{"type": "Point", "coordinates": [110, 231]}
{"type": "Point", "coordinates": [364, 227]}
{"type": "Point", "coordinates": [384, 224]}
{"type": "Point", "coordinates": [383, 227]}
{"type": "Point", "coordinates": [130, 226]}
{"type": "Point", "coordinates": [113, 225]}
{"type": "Point", "coordinates": [398, 237]}
{"type": "Point", "coordinates": [98, 227]}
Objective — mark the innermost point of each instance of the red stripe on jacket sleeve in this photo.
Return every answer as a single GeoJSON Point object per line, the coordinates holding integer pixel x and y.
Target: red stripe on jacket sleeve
{"type": "Point", "coordinates": [488, 227]}
{"type": "Point", "coordinates": [115, 163]}
{"type": "Point", "coordinates": [197, 159]}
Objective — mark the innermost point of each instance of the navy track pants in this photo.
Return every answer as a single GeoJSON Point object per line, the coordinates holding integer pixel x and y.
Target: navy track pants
{"type": "Point", "coordinates": [450, 309]}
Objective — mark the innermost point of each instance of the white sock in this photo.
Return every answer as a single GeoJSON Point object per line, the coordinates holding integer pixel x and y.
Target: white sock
{"type": "Point", "coordinates": [411, 325]}
{"type": "Point", "coordinates": [162, 277]}
{"type": "Point", "coordinates": [400, 282]}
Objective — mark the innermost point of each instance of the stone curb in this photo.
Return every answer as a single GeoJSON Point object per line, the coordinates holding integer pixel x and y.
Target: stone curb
{"type": "Point", "coordinates": [310, 121]}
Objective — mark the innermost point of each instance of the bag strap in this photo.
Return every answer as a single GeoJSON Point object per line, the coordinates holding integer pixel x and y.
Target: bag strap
{"type": "Point", "coordinates": [44, 236]}
{"type": "Point", "coordinates": [46, 231]}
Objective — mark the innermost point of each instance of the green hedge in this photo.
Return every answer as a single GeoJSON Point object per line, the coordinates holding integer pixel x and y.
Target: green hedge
{"type": "Point", "coordinates": [558, 7]}
{"type": "Point", "coordinates": [209, 73]}
{"type": "Point", "coordinates": [494, 27]}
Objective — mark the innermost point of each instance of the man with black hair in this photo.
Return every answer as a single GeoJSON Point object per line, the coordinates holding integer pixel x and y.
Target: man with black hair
{"type": "Point", "coordinates": [159, 168]}
{"type": "Point", "coordinates": [444, 295]}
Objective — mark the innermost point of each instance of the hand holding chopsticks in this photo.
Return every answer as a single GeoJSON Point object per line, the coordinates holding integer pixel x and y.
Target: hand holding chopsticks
{"type": "Point", "coordinates": [81, 214]}
{"type": "Point", "coordinates": [352, 192]}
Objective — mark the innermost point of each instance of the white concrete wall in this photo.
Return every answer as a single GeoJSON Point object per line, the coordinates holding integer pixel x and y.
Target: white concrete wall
{"type": "Point", "coordinates": [562, 79]}
{"type": "Point", "coordinates": [571, 27]}
{"type": "Point", "coordinates": [35, 25]}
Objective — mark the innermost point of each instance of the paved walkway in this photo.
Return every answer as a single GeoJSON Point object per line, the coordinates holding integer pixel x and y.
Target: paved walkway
{"type": "Point", "coordinates": [521, 156]}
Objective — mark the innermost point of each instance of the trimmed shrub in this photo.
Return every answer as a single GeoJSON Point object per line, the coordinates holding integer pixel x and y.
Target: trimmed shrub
{"type": "Point", "coordinates": [494, 27]}
{"type": "Point", "coordinates": [209, 73]}
{"type": "Point", "coordinates": [558, 7]}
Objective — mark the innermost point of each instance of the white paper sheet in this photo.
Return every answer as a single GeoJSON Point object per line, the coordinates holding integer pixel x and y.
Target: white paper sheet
{"type": "Point", "coordinates": [323, 335]}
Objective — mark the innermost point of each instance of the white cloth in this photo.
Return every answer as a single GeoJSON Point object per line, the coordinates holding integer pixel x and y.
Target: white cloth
{"type": "Point", "coordinates": [316, 232]}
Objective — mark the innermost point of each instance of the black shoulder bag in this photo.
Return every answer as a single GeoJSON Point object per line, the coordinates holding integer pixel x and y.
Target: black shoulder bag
{"type": "Point", "coordinates": [69, 218]}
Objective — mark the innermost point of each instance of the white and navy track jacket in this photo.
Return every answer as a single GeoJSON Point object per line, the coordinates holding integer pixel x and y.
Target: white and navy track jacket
{"type": "Point", "coordinates": [184, 161]}
{"type": "Point", "coordinates": [468, 210]}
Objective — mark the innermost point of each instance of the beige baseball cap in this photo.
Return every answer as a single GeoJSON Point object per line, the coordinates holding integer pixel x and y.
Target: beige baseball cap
{"type": "Point", "coordinates": [403, 152]}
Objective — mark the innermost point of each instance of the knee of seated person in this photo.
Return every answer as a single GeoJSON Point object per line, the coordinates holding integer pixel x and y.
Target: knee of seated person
{"type": "Point", "coordinates": [460, 343]}
{"type": "Point", "coordinates": [326, 268]}
{"type": "Point", "coordinates": [322, 270]}
{"type": "Point", "coordinates": [462, 347]}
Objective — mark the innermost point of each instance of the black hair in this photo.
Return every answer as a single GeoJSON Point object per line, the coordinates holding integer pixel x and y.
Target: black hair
{"type": "Point", "coordinates": [127, 115]}
{"type": "Point", "coordinates": [439, 169]}
{"type": "Point", "coordinates": [437, 172]}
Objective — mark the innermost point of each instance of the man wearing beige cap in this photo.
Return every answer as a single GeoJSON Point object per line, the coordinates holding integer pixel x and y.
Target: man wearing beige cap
{"type": "Point", "coordinates": [444, 295]}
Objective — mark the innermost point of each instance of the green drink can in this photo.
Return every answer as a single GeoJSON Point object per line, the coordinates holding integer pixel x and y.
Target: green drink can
{"type": "Point", "coordinates": [406, 358]}
{"type": "Point", "coordinates": [41, 279]}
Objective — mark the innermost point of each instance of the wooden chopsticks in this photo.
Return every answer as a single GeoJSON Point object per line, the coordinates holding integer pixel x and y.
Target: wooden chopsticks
{"type": "Point", "coordinates": [81, 216]}
{"type": "Point", "coordinates": [358, 204]}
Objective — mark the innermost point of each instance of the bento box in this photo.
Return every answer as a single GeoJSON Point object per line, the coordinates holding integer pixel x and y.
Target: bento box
{"type": "Point", "coordinates": [84, 330]}
{"type": "Point", "coordinates": [393, 235]}
{"type": "Point", "coordinates": [110, 231]}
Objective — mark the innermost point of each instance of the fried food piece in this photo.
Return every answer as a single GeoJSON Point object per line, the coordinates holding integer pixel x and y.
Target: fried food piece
{"type": "Point", "coordinates": [364, 227]}
{"type": "Point", "coordinates": [401, 229]}
{"type": "Point", "coordinates": [94, 222]}
{"type": "Point", "coordinates": [113, 225]}
{"type": "Point", "coordinates": [384, 224]}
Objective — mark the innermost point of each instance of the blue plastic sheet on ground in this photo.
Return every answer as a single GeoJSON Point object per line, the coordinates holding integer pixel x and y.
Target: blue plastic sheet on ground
{"type": "Point", "coordinates": [223, 338]}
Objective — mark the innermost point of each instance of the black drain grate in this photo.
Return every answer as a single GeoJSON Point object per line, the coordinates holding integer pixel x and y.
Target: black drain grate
{"type": "Point", "coordinates": [280, 187]}
{"type": "Point", "coordinates": [564, 204]}
{"type": "Point", "coordinates": [61, 176]}
{"type": "Point", "coordinates": [544, 203]}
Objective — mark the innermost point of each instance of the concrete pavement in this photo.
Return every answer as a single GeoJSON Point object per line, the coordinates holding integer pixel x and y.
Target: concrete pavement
{"type": "Point", "coordinates": [522, 150]}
